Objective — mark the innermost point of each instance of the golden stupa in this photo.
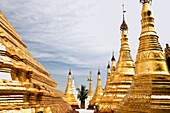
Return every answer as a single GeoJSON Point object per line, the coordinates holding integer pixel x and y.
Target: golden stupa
{"type": "Point", "coordinates": [69, 96]}
{"type": "Point", "coordinates": [98, 93]}
{"type": "Point", "coordinates": [90, 93]}
{"type": "Point", "coordinates": [149, 92]}
{"type": "Point", "coordinates": [25, 85]}
{"type": "Point", "coordinates": [105, 99]}
{"type": "Point", "coordinates": [108, 76]}
{"type": "Point", "coordinates": [113, 69]}
{"type": "Point", "coordinates": [123, 77]}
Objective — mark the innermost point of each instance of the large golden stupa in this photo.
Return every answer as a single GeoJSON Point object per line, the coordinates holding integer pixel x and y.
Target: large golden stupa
{"type": "Point", "coordinates": [123, 76]}
{"type": "Point", "coordinates": [149, 92]}
{"type": "Point", "coordinates": [25, 85]}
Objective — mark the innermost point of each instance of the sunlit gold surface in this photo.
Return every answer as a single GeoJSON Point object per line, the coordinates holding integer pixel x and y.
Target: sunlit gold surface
{"type": "Point", "coordinates": [113, 69]}
{"type": "Point", "coordinates": [149, 92]}
{"type": "Point", "coordinates": [69, 96]}
{"type": "Point", "coordinates": [27, 86]}
{"type": "Point", "coordinates": [90, 93]}
{"type": "Point", "coordinates": [118, 86]}
{"type": "Point", "coordinates": [98, 93]}
{"type": "Point", "coordinates": [107, 96]}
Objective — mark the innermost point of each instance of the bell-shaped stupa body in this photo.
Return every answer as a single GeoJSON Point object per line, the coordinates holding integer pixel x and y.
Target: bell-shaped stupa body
{"type": "Point", "coordinates": [98, 93]}
{"type": "Point", "coordinates": [149, 92]}
{"type": "Point", "coordinates": [69, 96]}
{"type": "Point", "coordinates": [123, 77]}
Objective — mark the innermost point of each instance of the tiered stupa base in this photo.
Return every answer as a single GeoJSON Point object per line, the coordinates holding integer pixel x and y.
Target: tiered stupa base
{"type": "Point", "coordinates": [30, 98]}
{"type": "Point", "coordinates": [115, 92]}
{"type": "Point", "coordinates": [148, 94]}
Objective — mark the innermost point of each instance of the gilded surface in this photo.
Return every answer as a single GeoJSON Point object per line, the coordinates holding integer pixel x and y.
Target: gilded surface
{"type": "Point", "coordinates": [121, 81]}
{"type": "Point", "coordinates": [149, 92]}
{"type": "Point", "coordinates": [90, 93]}
{"type": "Point", "coordinates": [25, 85]}
{"type": "Point", "coordinates": [69, 96]}
{"type": "Point", "coordinates": [98, 92]}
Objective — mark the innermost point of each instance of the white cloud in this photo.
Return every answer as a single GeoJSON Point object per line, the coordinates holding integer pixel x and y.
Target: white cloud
{"type": "Point", "coordinates": [82, 33]}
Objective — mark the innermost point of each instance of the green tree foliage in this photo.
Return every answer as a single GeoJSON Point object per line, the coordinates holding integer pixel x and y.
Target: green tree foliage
{"type": "Point", "coordinates": [82, 95]}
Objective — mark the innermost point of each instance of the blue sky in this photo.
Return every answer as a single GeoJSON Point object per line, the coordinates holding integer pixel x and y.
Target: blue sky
{"type": "Point", "coordinates": [80, 34]}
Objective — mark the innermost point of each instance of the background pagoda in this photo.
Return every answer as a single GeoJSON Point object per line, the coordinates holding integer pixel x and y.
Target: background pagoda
{"type": "Point", "coordinates": [69, 96]}
{"type": "Point", "coordinates": [90, 93]}
{"type": "Point", "coordinates": [98, 94]}
{"type": "Point", "coordinates": [149, 92]}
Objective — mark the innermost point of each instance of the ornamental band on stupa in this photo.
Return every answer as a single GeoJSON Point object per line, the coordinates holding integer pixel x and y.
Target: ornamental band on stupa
{"type": "Point", "coordinates": [118, 86]}
{"type": "Point", "coordinates": [149, 92]}
{"type": "Point", "coordinates": [25, 85]}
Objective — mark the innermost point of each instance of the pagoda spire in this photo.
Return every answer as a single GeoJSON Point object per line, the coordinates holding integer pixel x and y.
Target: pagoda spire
{"type": "Point", "coordinates": [125, 64]}
{"type": "Point", "coordinates": [152, 79]}
{"type": "Point", "coordinates": [74, 88]}
{"type": "Point", "coordinates": [90, 93]}
{"type": "Point", "coordinates": [98, 93]}
{"type": "Point", "coordinates": [112, 66]}
{"type": "Point", "coordinates": [108, 75]}
{"type": "Point", "coordinates": [150, 50]}
{"type": "Point", "coordinates": [118, 87]}
{"type": "Point", "coordinates": [69, 96]}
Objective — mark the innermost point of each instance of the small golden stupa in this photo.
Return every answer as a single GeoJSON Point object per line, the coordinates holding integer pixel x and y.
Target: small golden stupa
{"type": "Point", "coordinates": [149, 92]}
{"type": "Point", "coordinates": [123, 77]}
{"type": "Point", "coordinates": [107, 97]}
{"type": "Point", "coordinates": [108, 76]}
{"type": "Point", "coordinates": [98, 93]}
{"type": "Point", "coordinates": [69, 96]}
{"type": "Point", "coordinates": [90, 93]}
{"type": "Point", "coordinates": [113, 69]}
